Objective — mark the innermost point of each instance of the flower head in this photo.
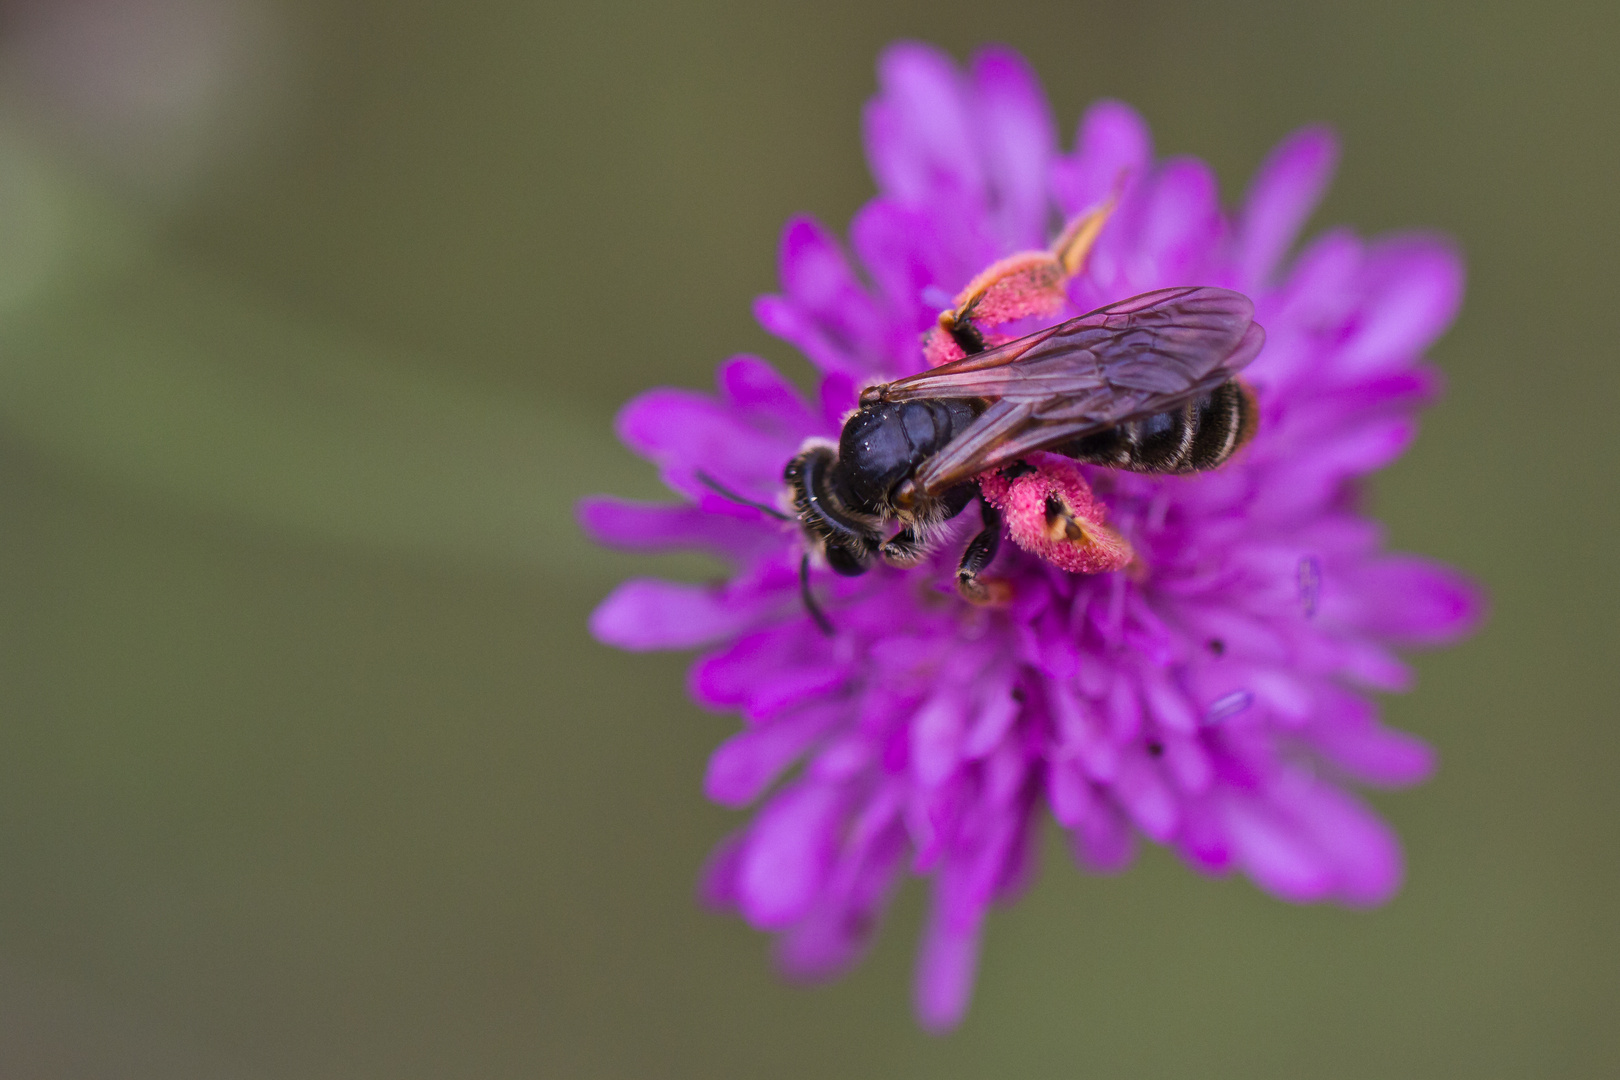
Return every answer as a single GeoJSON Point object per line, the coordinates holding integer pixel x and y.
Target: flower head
{"type": "Point", "coordinates": [1189, 663]}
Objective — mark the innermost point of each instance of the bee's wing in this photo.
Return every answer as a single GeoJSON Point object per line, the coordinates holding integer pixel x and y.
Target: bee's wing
{"type": "Point", "coordinates": [1131, 359]}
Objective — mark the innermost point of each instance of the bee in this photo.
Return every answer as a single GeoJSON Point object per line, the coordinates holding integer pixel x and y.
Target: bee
{"type": "Point", "coordinates": [1145, 385]}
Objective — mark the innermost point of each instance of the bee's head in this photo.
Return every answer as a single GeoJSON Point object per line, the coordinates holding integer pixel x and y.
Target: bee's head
{"type": "Point", "coordinates": [847, 540]}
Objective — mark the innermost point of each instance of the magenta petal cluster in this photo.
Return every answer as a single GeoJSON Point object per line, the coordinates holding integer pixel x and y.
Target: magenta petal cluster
{"type": "Point", "coordinates": [1212, 698]}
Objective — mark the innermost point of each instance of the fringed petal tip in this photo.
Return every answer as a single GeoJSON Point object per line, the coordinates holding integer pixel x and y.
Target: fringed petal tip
{"type": "Point", "coordinates": [717, 881]}
{"type": "Point", "coordinates": [919, 137]}
{"type": "Point", "coordinates": [1374, 754]}
{"type": "Point", "coordinates": [1286, 190]}
{"type": "Point", "coordinates": [1414, 602]}
{"type": "Point", "coordinates": [946, 966]}
{"type": "Point", "coordinates": [1113, 149]}
{"type": "Point", "coordinates": [1413, 290]}
{"type": "Point", "coordinates": [645, 615]}
{"type": "Point", "coordinates": [1316, 845]}
{"type": "Point", "coordinates": [660, 527]}
{"type": "Point", "coordinates": [790, 849]}
{"type": "Point", "coordinates": [1017, 139]}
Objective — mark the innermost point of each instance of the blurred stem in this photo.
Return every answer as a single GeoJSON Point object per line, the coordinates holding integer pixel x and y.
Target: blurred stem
{"type": "Point", "coordinates": [119, 360]}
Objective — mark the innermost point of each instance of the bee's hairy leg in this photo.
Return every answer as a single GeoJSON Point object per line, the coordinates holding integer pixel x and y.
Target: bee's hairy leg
{"type": "Point", "coordinates": [960, 326]}
{"type": "Point", "coordinates": [904, 548]}
{"type": "Point", "coordinates": [976, 558]}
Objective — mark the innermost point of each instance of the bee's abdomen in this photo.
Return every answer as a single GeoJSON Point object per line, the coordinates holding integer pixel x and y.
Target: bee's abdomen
{"type": "Point", "coordinates": [1202, 434]}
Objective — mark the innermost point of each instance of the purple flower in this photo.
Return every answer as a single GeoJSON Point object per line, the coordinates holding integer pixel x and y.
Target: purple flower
{"type": "Point", "coordinates": [1212, 697]}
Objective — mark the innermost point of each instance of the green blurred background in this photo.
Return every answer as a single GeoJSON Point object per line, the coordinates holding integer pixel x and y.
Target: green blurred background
{"type": "Point", "coordinates": [313, 318]}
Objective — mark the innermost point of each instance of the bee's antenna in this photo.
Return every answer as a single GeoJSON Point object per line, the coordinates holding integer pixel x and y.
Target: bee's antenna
{"type": "Point", "coordinates": [726, 493]}
{"type": "Point", "coordinates": [809, 599]}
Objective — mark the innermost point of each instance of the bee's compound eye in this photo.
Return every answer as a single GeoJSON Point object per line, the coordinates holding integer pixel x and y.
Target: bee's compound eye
{"type": "Point", "coordinates": [844, 561]}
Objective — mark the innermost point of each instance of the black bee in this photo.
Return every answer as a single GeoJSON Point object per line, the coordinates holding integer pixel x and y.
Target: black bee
{"type": "Point", "coordinates": [1145, 384]}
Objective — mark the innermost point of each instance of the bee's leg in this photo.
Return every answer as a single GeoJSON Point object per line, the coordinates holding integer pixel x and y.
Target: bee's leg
{"type": "Point", "coordinates": [904, 548]}
{"type": "Point", "coordinates": [916, 539]}
{"type": "Point", "coordinates": [962, 330]}
{"type": "Point", "coordinates": [980, 552]}
{"type": "Point", "coordinates": [809, 598]}
{"type": "Point", "coordinates": [1019, 286]}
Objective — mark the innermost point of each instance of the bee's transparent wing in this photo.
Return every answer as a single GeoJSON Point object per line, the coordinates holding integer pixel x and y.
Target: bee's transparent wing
{"type": "Point", "coordinates": [1128, 360]}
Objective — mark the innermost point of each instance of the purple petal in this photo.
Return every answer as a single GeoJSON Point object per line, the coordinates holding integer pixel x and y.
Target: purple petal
{"type": "Point", "coordinates": [751, 760]}
{"type": "Point", "coordinates": [1305, 317]}
{"type": "Point", "coordinates": [919, 138]}
{"type": "Point", "coordinates": [1203, 841]}
{"type": "Point", "coordinates": [1274, 854]}
{"type": "Point", "coordinates": [636, 526]}
{"type": "Point", "coordinates": [813, 269]}
{"type": "Point", "coordinates": [751, 385]}
{"type": "Point", "coordinates": [1124, 708]}
{"type": "Point", "coordinates": [1288, 187]}
{"type": "Point", "coordinates": [1004, 776]}
{"type": "Point", "coordinates": [838, 397]}
{"type": "Point", "coordinates": [1021, 858]}
{"type": "Point", "coordinates": [1081, 733]}
{"type": "Point", "coordinates": [999, 841]}
{"type": "Point", "coordinates": [1018, 139]}
{"type": "Point", "coordinates": [790, 849]}
{"type": "Point", "coordinates": [644, 614]}
{"type": "Point", "coordinates": [1372, 666]}
{"type": "Point", "coordinates": [826, 311]}
{"type": "Point", "coordinates": [1410, 600]}
{"type": "Point", "coordinates": [936, 736]}
{"type": "Point", "coordinates": [848, 757]}
{"type": "Point", "coordinates": [717, 883]}
{"type": "Point", "coordinates": [1068, 792]}
{"type": "Point", "coordinates": [948, 959]}
{"type": "Point", "coordinates": [894, 244]}
{"type": "Point", "coordinates": [1322, 285]}
{"type": "Point", "coordinates": [1142, 791]}
{"type": "Point", "coordinates": [683, 433]}
{"type": "Point", "coordinates": [1233, 691]}
{"type": "Point", "coordinates": [1188, 764]}
{"type": "Point", "coordinates": [782, 318]}
{"type": "Point", "coordinates": [996, 709]}
{"type": "Point", "coordinates": [1169, 706]}
{"type": "Point", "coordinates": [1103, 842]}
{"type": "Point", "coordinates": [767, 671]}
{"type": "Point", "coordinates": [842, 922]}
{"type": "Point", "coordinates": [1346, 732]}
{"type": "Point", "coordinates": [1312, 480]}
{"type": "Point", "coordinates": [1112, 145]}
{"type": "Point", "coordinates": [1415, 286]}
{"type": "Point", "coordinates": [1177, 226]}
{"type": "Point", "coordinates": [1363, 852]}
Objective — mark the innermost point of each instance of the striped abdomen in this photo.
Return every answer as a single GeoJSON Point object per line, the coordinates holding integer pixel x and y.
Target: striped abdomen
{"type": "Point", "coordinates": [1199, 435]}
